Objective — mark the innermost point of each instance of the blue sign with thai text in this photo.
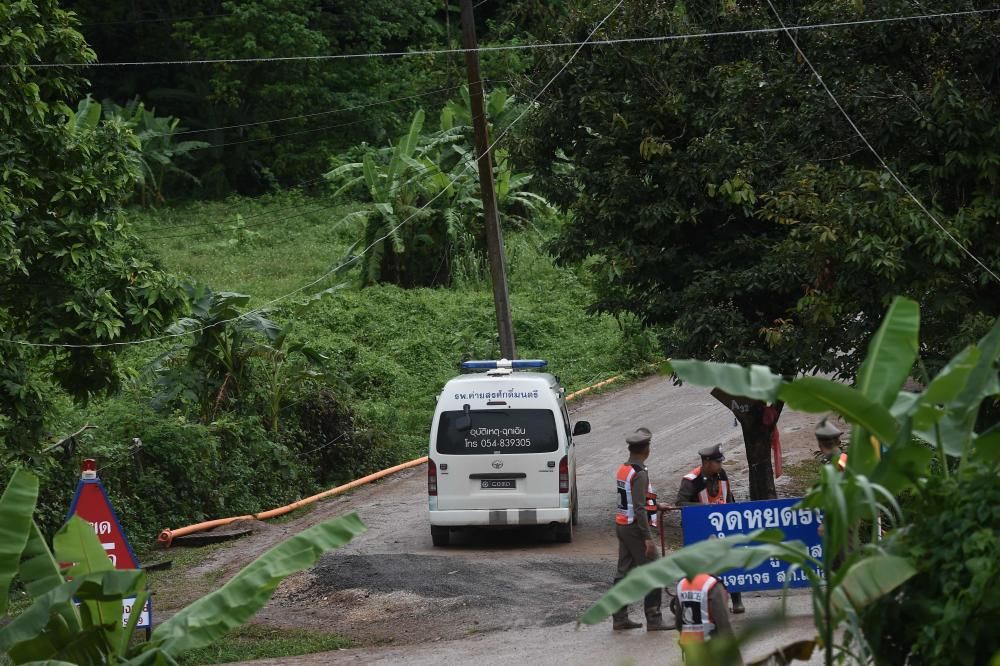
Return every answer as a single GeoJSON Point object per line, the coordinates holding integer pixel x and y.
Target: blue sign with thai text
{"type": "Point", "coordinates": [709, 521]}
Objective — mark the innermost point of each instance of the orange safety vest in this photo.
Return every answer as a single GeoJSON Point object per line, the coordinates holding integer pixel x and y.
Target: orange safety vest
{"type": "Point", "coordinates": [625, 514]}
{"type": "Point", "coordinates": [697, 622]}
{"type": "Point", "coordinates": [703, 496]}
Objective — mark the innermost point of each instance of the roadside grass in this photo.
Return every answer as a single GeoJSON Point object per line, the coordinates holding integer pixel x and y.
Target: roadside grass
{"type": "Point", "coordinates": [801, 476]}
{"type": "Point", "coordinates": [278, 243]}
{"type": "Point", "coordinates": [167, 595]}
{"type": "Point", "coordinates": [257, 641]}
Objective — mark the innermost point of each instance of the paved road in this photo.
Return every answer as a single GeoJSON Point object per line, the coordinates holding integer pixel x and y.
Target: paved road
{"type": "Point", "coordinates": [503, 597]}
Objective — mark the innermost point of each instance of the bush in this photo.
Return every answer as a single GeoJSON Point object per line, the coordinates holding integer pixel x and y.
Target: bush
{"type": "Point", "coordinates": [948, 612]}
{"type": "Point", "coordinates": [184, 472]}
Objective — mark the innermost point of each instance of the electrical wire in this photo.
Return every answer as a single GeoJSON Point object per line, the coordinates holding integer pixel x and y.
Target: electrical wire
{"type": "Point", "coordinates": [310, 115]}
{"type": "Point", "coordinates": [153, 20]}
{"type": "Point", "coordinates": [282, 136]}
{"type": "Point", "coordinates": [516, 47]}
{"type": "Point", "coordinates": [871, 148]}
{"type": "Point", "coordinates": [321, 207]}
{"type": "Point", "coordinates": [351, 260]}
{"type": "Point", "coordinates": [280, 210]}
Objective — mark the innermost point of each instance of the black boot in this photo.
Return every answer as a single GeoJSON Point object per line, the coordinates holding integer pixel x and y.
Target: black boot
{"type": "Point", "coordinates": [623, 624]}
{"type": "Point", "coordinates": [656, 623]}
{"type": "Point", "coordinates": [738, 604]}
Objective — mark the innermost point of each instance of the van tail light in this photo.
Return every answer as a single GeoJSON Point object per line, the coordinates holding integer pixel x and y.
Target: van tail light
{"type": "Point", "coordinates": [432, 478]}
{"type": "Point", "coordinates": [564, 475]}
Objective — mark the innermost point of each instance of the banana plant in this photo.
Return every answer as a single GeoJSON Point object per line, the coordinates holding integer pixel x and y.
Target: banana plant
{"type": "Point", "coordinates": [398, 182]}
{"type": "Point", "coordinates": [886, 456]}
{"type": "Point", "coordinates": [76, 611]}
{"type": "Point", "coordinates": [423, 213]}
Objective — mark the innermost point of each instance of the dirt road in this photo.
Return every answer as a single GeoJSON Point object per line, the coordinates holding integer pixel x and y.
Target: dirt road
{"type": "Point", "coordinates": [503, 597]}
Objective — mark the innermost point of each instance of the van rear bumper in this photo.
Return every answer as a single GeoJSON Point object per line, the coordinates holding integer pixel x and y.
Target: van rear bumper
{"type": "Point", "coordinates": [499, 517]}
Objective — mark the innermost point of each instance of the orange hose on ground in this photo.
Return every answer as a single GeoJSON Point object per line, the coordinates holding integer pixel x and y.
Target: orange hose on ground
{"type": "Point", "coordinates": [167, 536]}
{"type": "Point", "coordinates": [575, 394]}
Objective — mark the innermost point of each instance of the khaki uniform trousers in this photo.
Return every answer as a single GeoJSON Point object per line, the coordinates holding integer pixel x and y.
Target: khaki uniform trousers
{"type": "Point", "coordinates": [631, 554]}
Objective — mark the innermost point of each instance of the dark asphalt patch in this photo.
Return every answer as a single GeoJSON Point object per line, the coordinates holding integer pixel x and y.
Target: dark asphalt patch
{"type": "Point", "coordinates": [543, 592]}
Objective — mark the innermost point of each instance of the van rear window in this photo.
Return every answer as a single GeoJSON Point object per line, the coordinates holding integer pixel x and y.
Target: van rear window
{"type": "Point", "coordinates": [498, 431]}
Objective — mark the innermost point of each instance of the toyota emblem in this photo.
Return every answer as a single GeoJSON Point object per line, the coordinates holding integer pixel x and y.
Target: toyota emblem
{"type": "Point", "coordinates": [497, 464]}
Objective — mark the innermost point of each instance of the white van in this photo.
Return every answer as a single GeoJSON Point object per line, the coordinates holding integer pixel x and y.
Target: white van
{"type": "Point", "coordinates": [501, 451]}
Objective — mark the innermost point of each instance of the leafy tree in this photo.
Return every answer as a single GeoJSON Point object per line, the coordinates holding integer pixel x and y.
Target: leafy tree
{"type": "Point", "coordinates": [728, 203]}
{"type": "Point", "coordinates": [733, 206]}
{"type": "Point", "coordinates": [76, 611]}
{"type": "Point", "coordinates": [71, 270]}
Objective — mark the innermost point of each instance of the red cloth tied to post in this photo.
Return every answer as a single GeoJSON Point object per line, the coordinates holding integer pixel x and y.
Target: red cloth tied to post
{"type": "Point", "coordinates": [769, 418]}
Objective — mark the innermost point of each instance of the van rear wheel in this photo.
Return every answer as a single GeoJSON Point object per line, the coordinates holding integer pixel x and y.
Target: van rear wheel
{"type": "Point", "coordinates": [564, 532]}
{"type": "Point", "coordinates": [440, 535]}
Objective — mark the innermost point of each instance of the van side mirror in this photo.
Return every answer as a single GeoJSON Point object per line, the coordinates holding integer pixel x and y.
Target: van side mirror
{"type": "Point", "coordinates": [581, 428]}
{"type": "Point", "coordinates": [464, 422]}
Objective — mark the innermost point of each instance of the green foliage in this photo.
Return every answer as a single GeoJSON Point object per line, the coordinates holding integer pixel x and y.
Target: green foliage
{"type": "Point", "coordinates": [947, 613]}
{"type": "Point", "coordinates": [728, 199]}
{"type": "Point", "coordinates": [159, 150]}
{"type": "Point", "coordinates": [248, 93]}
{"type": "Point", "coordinates": [213, 372]}
{"type": "Point", "coordinates": [858, 568]}
{"type": "Point", "coordinates": [91, 631]}
{"type": "Point", "coordinates": [70, 269]}
{"type": "Point", "coordinates": [422, 221]}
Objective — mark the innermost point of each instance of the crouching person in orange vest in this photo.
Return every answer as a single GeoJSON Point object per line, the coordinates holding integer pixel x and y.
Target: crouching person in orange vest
{"type": "Point", "coordinates": [701, 610]}
{"type": "Point", "coordinates": [633, 526]}
{"type": "Point", "coordinates": [709, 484]}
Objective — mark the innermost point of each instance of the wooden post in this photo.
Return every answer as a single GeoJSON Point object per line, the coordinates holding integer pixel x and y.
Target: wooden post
{"type": "Point", "coordinates": [494, 237]}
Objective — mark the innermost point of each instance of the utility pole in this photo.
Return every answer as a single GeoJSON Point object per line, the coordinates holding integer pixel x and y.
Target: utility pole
{"type": "Point", "coordinates": [494, 237]}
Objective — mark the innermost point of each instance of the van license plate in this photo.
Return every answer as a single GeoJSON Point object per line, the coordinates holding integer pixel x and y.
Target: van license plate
{"type": "Point", "coordinates": [494, 484]}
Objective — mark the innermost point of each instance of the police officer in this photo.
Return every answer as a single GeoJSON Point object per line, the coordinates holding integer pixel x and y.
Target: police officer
{"type": "Point", "coordinates": [701, 610]}
{"type": "Point", "coordinates": [632, 526]}
{"type": "Point", "coordinates": [709, 484]}
{"type": "Point", "coordinates": [828, 440]}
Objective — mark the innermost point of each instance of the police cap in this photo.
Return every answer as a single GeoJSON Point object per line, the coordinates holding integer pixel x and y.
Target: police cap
{"type": "Point", "coordinates": [639, 438]}
{"type": "Point", "coordinates": [712, 453]}
{"type": "Point", "coordinates": [827, 430]}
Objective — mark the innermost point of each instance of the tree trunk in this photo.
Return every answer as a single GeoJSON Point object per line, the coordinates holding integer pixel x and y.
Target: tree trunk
{"type": "Point", "coordinates": [756, 438]}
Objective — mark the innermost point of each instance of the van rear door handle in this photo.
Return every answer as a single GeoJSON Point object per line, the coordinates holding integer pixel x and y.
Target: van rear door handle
{"type": "Point", "coordinates": [499, 475]}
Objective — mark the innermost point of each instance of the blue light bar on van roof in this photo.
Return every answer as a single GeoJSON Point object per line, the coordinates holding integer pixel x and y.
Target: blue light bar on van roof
{"type": "Point", "coordinates": [504, 363]}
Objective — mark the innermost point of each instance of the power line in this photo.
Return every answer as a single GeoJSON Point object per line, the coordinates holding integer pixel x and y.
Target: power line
{"type": "Point", "coordinates": [519, 47]}
{"type": "Point", "coordinates": [311, 115]}
{"type": "Point", "coordinates": [871, 148]}
{"type": "Point", "coordinates": [282, 136]}
{"type": "Point", "coordinates": [354, 258]}
{"type": "Point", "coordinates": [153, 20]}
{"type": "Point", "coordinates": [320, 208]}
{"type": "Point", "coordinates": [280, 210]}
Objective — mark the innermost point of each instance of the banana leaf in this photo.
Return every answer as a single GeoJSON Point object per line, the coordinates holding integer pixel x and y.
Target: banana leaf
{"type": "Point", "coordinates": [40, 632]}
{"type": "Point", "coordinates": [817, 395]}
{"type": "Point", "coordinates": [891, 353]}
{"type": "Point", "coordinates": [17, 505]}
{"type": "Point", "coordinates": [214, 615]}
{"type": "Point", "coordinates": [757, 381]}
{"type": "Point", "coordinates": [869, 580]}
